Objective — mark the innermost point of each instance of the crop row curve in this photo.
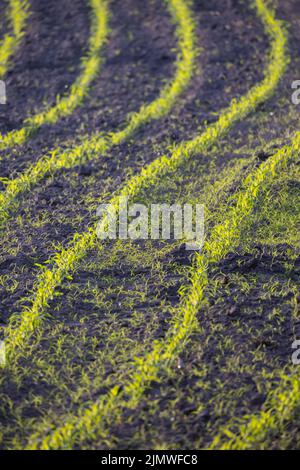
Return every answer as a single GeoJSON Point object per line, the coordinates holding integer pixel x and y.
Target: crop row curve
{"type": "Point", "coordinates": [90, 66]}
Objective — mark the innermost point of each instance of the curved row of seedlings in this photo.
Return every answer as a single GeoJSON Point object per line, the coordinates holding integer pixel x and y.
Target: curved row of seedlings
{"type": "Point", "coordinates": [148, 367]}
{"type": "Point", "coordinates": [18, 13]}
{"type": "Point", "coordinates": [64, 262]}
{"type": "Point", "coordinates": [98, 144]}
{"type": "Point", "coordinates": [65, 105]}
{"type": "Point", "coordinates": [109, 339]}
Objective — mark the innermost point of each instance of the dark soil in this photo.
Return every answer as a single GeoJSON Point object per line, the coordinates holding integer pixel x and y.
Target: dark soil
{"type": "Point", "coordinates": [139, 58]}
